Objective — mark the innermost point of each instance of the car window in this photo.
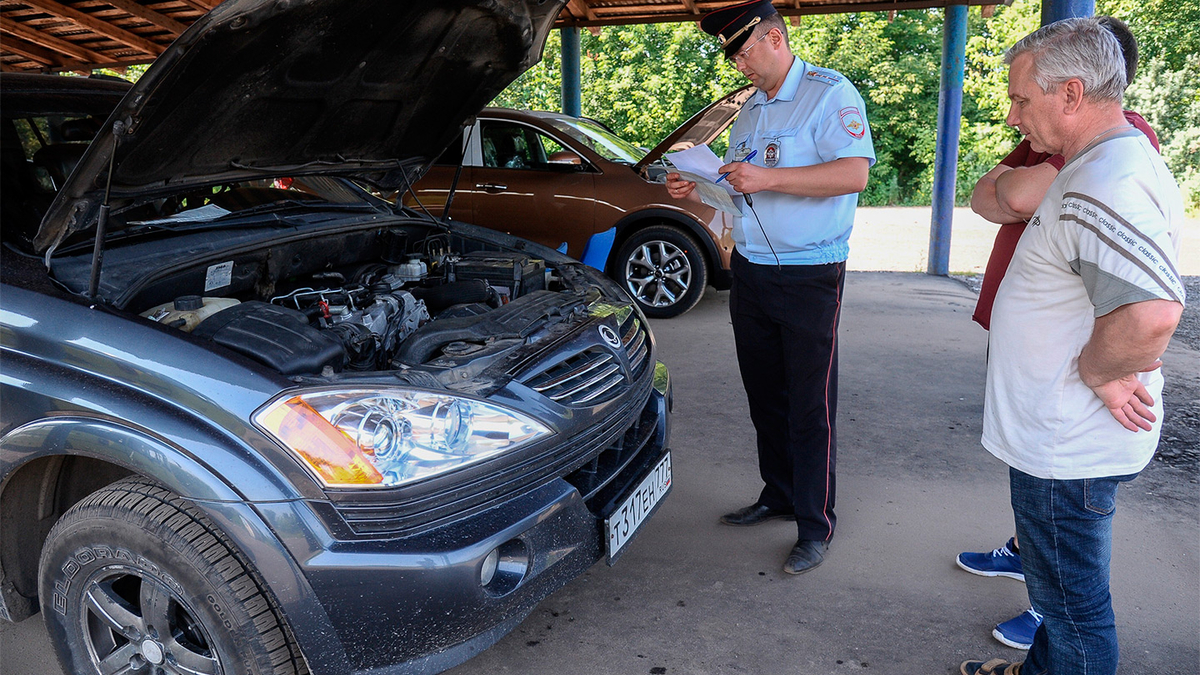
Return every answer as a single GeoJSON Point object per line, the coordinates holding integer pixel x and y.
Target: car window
{"type": "Point", "coordinates": [507, 145]}
{"type": "Point", "coordinates": [600, 140]}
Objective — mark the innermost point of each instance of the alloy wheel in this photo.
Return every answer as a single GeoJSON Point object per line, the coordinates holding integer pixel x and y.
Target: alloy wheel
{"type": "Point", "coordinates": [658, 273]}
{"type": "Point", "coordinates": [134, 624]}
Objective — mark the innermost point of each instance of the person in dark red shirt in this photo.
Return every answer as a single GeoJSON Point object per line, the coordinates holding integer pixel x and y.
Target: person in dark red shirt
{"type": "Point", "coordinates": [1009, 194]}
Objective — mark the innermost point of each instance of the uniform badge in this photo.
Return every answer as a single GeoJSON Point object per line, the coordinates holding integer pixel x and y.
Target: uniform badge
{"type": "Point", "coordinates": [741, 152]}
{"type": "Point", "coordinates": [771, 154]}
{"type": "Point", "coordinates": [852, 122]}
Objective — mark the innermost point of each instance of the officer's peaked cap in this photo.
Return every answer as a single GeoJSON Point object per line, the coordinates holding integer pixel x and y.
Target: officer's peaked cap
{"type": "Point", "coordinates": [733, 25]}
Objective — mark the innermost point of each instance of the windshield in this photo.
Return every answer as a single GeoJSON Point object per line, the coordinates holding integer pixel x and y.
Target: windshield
{"type": "Point", "coordinates": [600, 140]}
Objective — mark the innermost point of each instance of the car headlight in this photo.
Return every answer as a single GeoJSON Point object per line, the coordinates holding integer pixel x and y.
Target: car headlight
{"type": "Point", "coordinates": [389, 437]}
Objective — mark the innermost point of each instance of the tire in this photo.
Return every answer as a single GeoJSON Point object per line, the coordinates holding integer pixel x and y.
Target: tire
{"type": "Point", "coordinates": [663, 268]}
{"type": "Point", "coordinates": [134, 579]}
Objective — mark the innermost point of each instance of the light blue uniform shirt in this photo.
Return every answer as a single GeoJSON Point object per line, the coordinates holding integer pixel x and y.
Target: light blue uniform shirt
{"type": "Point", "coordinates": [816, 117]}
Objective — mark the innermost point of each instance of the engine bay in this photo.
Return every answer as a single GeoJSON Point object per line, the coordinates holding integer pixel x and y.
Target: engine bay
{"type": "Point", "coordinates": [367, 299]}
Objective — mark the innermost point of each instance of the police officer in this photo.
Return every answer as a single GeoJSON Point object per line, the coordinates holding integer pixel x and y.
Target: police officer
{"type": "Point", "coordinates": [799, 152]}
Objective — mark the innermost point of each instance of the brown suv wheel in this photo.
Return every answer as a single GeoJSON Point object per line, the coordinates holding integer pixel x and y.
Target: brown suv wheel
{"type": "Point", "coordinates": [664, 269]}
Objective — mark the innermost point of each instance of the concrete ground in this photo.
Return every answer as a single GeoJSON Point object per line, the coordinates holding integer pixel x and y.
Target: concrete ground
{"type": "Point", "coordinates": [914, 488]}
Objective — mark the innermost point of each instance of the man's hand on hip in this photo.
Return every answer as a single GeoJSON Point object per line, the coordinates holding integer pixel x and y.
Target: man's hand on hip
{"type": "Point", "coordinates": [1122, 343]}
{"type": "Point", "coordinates": [1128, 401]}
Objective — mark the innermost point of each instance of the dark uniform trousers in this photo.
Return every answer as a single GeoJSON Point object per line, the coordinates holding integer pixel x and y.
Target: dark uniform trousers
{"type": "Point", "coordinates": [785, 322]}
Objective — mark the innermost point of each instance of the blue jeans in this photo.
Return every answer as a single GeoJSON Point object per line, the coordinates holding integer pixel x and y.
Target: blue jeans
{"type": "Point", "coordinates": [1065, 531]}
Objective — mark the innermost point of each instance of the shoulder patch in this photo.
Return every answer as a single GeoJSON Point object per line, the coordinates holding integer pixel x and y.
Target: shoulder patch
{"type": "Point", "coordinates": [853, 122]}
{"type": "Point", "coordinates": [821, 75]}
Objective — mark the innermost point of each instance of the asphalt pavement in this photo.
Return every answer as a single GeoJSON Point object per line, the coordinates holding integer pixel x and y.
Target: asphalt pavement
{"type": "Point", "coordinates": [914, 489]}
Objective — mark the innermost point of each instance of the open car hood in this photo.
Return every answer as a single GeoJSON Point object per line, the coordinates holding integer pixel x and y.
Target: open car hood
{"type": "Point", "coordinates": [372, 89]}
{"type": "Point", "coordinates": [701, 128]}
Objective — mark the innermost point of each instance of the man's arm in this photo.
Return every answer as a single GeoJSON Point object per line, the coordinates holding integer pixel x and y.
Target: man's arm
{"type": "Point", "coordinates": [1125, 342]}
{"type": "Point", "coordinates": [1021, 190]}
{"type": "Point", "coordinates": [1006, 194]}
{"type": "Point", "coordinates": [983, 198]}
{"type": "Point", "coordinates": [843, 176]}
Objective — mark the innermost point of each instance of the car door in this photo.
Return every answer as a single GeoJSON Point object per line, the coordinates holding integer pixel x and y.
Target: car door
{"type": "Point", "coordinates": [521, 188]}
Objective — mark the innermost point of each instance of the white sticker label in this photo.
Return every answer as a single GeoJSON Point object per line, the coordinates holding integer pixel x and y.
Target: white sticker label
{"type": "Point", "coordinates": [219, 276]}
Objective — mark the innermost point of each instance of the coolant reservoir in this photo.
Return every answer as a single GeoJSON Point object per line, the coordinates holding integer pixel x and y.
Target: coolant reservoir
{"type": "Point", "coordinates": [187, 311]}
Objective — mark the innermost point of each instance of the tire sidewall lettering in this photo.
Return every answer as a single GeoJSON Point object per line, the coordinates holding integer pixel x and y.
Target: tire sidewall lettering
{"type": "Point", "coordinates": [85, 556]}
{"type": "Point", "coordinates": [214, 603]}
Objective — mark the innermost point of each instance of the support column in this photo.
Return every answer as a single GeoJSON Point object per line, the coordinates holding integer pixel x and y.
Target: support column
{"type": "Point", "coordinates": [572, 96]}
{"type": "Point", "coordinates": [1057, 10]}
{"type": "Point", "coordinates": [945, 170]}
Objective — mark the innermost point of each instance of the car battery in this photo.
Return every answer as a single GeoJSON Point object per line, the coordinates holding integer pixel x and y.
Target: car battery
{"type": "Point", "coordinates": [511, 274]}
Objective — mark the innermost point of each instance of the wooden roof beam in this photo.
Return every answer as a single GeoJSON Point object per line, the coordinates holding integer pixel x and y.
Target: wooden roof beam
{"type": "Point", "coordinates": [580, 10]}
{"type": "Point", "coordinates": [145, 13]}
{"type": "Point", "coordinates": [48, 41]}
{"type": "Point", "coordinates": [33, 52]}
{"type": "Point", "coordinates": [46, 57]}
{"type": "Point", "coordinates": [99, 26]}
{"type": "Point", "coordinates": [202, 5]}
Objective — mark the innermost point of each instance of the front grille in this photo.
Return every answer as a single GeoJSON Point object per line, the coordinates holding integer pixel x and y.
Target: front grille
{"type": "Point", "coordinates": [594, 375]}
{"type": "Point", "coordinates": [434, 502]}
{"type": "Point", "coordinates": [595, 480]}
{"type": "Point", "coordinates": [635, 344]}
{"type": "Point", "coordinates": [582, 378]}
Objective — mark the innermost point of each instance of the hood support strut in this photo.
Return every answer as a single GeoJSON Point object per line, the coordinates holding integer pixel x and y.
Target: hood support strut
{"type": "Point", "coordinates": [462, 159]}
{"type": "Point", "coordinates": [102, 220]}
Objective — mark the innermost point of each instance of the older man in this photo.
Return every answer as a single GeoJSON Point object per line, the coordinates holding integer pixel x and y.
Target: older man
{"type": "Point", "coordinates": [1086, 309]}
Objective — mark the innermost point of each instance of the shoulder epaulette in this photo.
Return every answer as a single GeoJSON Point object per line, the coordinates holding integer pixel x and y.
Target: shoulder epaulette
{"type": "Point", "coordinates": [822, 75]}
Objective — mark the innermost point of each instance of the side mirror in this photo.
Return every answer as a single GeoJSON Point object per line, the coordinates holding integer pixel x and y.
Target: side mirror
{"type": "Point", "coordinates": [565, 157]}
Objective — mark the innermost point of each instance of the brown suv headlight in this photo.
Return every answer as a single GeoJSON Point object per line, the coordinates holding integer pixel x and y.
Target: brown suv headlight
{"type": "Point", "coordinates": [389, 437]}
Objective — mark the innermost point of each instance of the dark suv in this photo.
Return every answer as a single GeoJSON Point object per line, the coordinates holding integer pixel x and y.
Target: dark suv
{"type": "Point", "coordinates": [256, 420]}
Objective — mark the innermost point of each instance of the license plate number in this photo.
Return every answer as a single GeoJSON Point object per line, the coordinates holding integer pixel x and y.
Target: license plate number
{"type": "Point", "coordinates": [629, 516]}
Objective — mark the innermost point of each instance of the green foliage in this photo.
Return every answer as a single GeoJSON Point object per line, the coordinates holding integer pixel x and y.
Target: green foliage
{"type": "Point", "coordinates": [645, 80]}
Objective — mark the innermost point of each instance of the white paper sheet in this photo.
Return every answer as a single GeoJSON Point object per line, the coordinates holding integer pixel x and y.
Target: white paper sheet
{"type": "Point", "coordinates": [712, 194]}
{"type": "Point", "coordinates": [702, 161]}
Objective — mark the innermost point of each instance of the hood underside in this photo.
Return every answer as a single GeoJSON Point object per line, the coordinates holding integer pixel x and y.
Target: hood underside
{"type": "Point", "coordinates": [373, 89]}
{"type": "Point", "coordinates": [702, 128]}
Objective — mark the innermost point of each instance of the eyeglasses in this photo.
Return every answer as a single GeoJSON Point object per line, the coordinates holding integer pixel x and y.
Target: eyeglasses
{"type": "Point", "coordinates": [741, 56]}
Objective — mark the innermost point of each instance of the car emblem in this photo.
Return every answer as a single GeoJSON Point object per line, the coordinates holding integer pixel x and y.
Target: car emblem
{"type": "Point", "coordinates": [610, 336]}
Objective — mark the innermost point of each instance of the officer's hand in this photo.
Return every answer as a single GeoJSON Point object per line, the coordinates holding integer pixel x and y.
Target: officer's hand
{"type": "Point", "coordinates": [679, 188]}
{"type": "Point", "coordinates": [745, 177]}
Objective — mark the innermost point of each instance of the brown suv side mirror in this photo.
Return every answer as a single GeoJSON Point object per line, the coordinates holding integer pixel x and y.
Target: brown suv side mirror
{"type": "Point", "coordinates": [565, 157]}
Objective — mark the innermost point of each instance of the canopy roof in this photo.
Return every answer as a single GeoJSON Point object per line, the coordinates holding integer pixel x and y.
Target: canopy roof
{"type": "Point", "coordinates": [80, 35]}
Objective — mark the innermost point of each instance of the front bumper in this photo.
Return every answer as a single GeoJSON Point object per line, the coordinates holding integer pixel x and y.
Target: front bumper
{"type": "Point", "coordinates": [419, 604]}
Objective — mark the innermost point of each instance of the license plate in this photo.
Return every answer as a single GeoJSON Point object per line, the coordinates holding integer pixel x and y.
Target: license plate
{"type": "Point", "coordinates": [629, 516]}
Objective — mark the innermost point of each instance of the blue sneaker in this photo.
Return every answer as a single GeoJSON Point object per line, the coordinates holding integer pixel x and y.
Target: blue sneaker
{"type": "Point", "coordinates": [1018, 631]}
{"type": "Point", "coordinates": [1001, 562]}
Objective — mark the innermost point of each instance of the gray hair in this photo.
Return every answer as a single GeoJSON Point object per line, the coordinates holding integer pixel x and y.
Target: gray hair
{"type": "Point", "coordinates": [1081, 49]}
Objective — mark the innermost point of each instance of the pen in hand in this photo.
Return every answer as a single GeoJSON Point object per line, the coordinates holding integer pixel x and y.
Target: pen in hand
{"type": "Point", "coordinates": [726, 174]}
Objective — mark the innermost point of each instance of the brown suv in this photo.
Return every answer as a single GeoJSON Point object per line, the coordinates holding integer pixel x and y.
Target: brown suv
{"type": "Point", "coordinates": [572, 184]}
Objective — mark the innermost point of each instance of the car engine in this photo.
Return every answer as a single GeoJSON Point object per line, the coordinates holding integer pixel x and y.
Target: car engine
{"type": "Point", "coordinates": [376, 316]}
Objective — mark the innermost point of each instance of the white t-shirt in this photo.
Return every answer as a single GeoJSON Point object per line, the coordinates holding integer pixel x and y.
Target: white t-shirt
{"type": "Point", "coordinates": [1107, 234]}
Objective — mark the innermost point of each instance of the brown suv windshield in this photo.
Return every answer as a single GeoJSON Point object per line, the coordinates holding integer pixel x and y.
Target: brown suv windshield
{"type": "Point", "coordinates": [599, 140]}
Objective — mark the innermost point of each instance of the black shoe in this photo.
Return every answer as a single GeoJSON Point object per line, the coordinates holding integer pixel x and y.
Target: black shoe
{"type": "Point", "coordinates": [807, 554]}
{"type": "Point", "coordinates": [754, 514]}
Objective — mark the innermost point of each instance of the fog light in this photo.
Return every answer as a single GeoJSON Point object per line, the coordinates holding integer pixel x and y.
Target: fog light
{"type": "Point", "coordinates": [505, 568]}
{"type": "Point", "coordinates": [489, 567]}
